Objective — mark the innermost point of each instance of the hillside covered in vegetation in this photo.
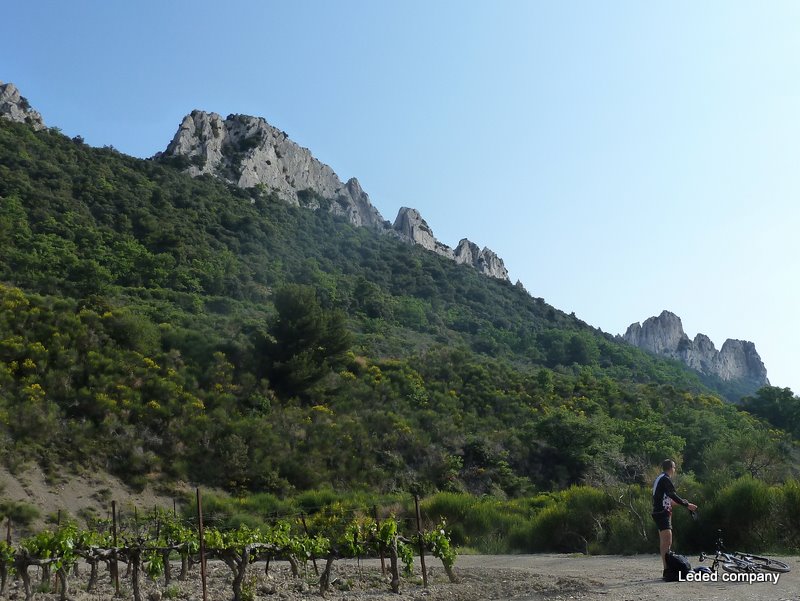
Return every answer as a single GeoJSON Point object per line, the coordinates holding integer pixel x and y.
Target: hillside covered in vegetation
{"type": "Point", "coordinates": [170, 328]}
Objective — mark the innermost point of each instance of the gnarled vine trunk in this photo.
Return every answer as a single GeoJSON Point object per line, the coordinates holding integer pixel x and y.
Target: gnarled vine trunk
{"type": "Point", "coordinates": [63, 578]}
{"type": "Point", "coordinates": [325, 578]}
{"type": "Point", "coordinates": [295, 566]}
{"type": "Point", "coordinates": [21, 566]}
{"type": "Point", "coordinates": [393, 566]}
{"type": "Point", "coordinates": [167, 568]}
{"type": "Point", "coordinates": [92, 575]}
{"type": "Point", "coordinates": [238, 566]}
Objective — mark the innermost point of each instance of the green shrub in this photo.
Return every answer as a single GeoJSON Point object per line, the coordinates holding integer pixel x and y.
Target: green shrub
{"type": "Point", "coordinates": [488, 525]}
{"type": "Point", "coordinates": [265, 505]}
{"type": "Point", "coordinates": [625, 536]}
{"type": "Point", "coordinates": [788, 515]}
{"type": "Point", "coordinates": [216, 509]}
{"type": "Point", "coordinates": [572, 523]}
{"type": "Point", "coordinates": [20, 513]}
{"type": "Point", "coordinates": [743, 511]}
{"type": "Point", "coordinates": [242, 519]}
{"type": "Point", "coordinates": [313, 500]}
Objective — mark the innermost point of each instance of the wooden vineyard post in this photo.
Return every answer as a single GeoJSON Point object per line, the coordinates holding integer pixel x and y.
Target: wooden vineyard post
{"type": "Point", "coordinates": [202, 545]}
{"type": "Point", "coordinates": [421, 543]}
{"type": "Point", "coordinates": [3, 565]}
{"type": "Point", "coordinates": [380, 551]}
{"type": "Point", "coordinates": [305, 529]}
{"type": "Point", "coordinates": [55, 576]}
{"type": "Point", "coordinates": [114, 564]}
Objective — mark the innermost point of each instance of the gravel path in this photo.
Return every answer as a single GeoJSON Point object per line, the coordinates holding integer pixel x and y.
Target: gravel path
{"type": "Point", "coordinates": [482, 578]}
{"type": "Point", "coordinates": [637, 578]}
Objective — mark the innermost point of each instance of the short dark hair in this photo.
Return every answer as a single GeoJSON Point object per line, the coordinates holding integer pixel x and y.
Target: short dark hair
{"type": "Point", "coordinates": [667, 464]}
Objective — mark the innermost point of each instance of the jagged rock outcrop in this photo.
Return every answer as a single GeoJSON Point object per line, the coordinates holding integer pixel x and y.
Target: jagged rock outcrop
{"type": "Point", "coordinates": [486, 261]}
{"type": "Point", "coordinates": [410, 225]}
{"type": "Point", "coordinates": [738, 360]}
{"type": "Point", "coordinates": [492, 265]}
{"type": "Point", "coordinates": [248, 151]}
{"type": "Point", "coordinates": [467, 252]}
{"type": "Point", "coordinates": [15, 107]}
{"type": "Point", "coordinates": [660, 335]}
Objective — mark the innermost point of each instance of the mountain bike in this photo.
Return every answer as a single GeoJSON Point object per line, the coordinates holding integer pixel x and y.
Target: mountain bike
{"type": "Point", "coordinates": [738, 562]}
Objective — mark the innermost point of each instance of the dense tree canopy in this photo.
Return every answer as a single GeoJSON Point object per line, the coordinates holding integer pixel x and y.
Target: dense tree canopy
{"type": "Point", "coordinates": [159, 325]}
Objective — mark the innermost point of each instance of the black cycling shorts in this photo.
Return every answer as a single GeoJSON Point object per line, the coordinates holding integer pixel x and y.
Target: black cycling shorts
{"type": "Point", "coordinates": [663, 519]}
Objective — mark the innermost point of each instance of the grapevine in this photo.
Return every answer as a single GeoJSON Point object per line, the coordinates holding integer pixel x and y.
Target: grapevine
{"type": "Point", "coordinates": [6, 563]}
{"type": "Point", "coordinates": [147, 545]}
{"type": "Point", "coordinates": [437, 541]}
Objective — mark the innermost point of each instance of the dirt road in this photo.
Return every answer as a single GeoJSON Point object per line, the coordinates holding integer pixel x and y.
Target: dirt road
{"type": "Point", "coordinates": [481, 578]}
{"type": "Point", "coordinates": [615, 578]}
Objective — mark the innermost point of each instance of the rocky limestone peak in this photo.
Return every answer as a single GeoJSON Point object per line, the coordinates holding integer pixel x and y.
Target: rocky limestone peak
{"type": "Point", "coordinates": [15, 107]}
{"type": "Point", "coordinates": [664, 335]}
{"type": "Point", "coordinates": [657, 334]}
{"type": "Point", "coordinates": [467, 252]}
{"type": "Point", "coordinates": [410, 225]}
{"type": "Point", "coordinates": [486, 261]}
{"type": "Point", "coordinates": [492, 265]}
{"type": "Point", "coordinates": [248, 151]}
{"type": "Point", "coordinates": [360, 212]}
{"type": "Point", "coordinates": [700, 355]}
{"type": "Point", "coordinates": [739, 360]}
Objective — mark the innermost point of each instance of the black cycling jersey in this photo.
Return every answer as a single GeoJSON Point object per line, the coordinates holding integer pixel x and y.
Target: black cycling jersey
{"type": "Point", "coordinates": [663, 491]}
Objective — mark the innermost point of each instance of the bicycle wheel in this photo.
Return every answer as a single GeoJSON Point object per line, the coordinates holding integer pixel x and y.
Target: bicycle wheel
{"type": "Point", "coordinates": [736, 566]}
{"type": "Point", "coordinates": [765, 563]}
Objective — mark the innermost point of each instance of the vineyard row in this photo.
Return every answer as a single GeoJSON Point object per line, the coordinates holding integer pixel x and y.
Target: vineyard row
{"type": "Point", "coordinates": [147, 546]}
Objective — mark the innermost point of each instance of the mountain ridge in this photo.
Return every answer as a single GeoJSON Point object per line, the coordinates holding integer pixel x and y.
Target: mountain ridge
{"type": "Point", "coordinates": [167, 327]}
{"type": "Point", "coordinates": [663, 335]}
{"type": "Point", "coordinates": [249, 152]}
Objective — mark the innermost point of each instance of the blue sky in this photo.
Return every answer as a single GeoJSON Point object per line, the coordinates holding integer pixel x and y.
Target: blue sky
{"type": "Point", "coordinates": [621, 157]}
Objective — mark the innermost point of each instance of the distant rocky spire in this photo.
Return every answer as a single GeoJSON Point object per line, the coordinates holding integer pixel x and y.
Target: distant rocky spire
{"type": "Point", "coordinates": [15, 107]}
{"type": "Point", "coordinates": [410, 225]}
{"type": "Point", "coordinates": [737, 360]}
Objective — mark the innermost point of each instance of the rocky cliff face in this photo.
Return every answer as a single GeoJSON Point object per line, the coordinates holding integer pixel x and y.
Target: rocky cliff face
{"type": "Point", "coordinates": [15, 107]}
{"type": "Point", "coordinates": [486, 261]}
{"type": "Point", "coordinates": [248, 151]}
{"type": "Point", "coordinates": [737, 360]}
{"type": "Point", "coordinates": [410, 225]}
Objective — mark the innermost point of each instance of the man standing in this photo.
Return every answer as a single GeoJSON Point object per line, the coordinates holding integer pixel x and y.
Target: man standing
{"type": "Point", "coordinates": [664, 497]}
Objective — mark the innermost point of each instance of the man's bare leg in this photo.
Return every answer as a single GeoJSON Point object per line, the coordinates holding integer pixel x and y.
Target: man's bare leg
{"type": "Point", "coordinates": [665, 542]}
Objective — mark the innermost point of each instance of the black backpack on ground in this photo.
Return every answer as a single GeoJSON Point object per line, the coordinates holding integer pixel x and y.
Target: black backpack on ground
{"type": "Point", "coordinates": [677, 566]}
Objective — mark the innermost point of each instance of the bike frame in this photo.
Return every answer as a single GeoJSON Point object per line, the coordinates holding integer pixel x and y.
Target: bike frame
{"type": "Point", "coordinates": [736, 561]}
